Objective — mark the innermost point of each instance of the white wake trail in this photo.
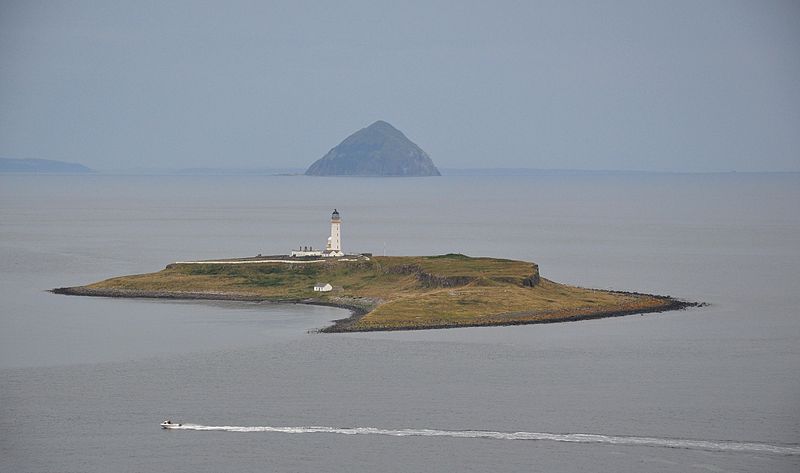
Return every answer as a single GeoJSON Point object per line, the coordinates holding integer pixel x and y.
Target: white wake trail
{"type": "Point", "coordinates": [712, 445]}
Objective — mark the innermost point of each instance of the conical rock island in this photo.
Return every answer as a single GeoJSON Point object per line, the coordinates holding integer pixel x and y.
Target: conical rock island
{"type": "Point", "coordinates": [377, 150]}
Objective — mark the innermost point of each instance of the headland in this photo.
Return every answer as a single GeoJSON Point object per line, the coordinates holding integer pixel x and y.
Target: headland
{"type": "Point", "coordinates": [389, 292]}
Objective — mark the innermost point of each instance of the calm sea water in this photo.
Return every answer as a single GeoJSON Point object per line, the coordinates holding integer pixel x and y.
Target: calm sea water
{"type": "Point", "coordinates": [84, 382]}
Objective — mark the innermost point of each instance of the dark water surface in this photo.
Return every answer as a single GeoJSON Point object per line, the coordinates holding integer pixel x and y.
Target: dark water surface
{"type": "Point", "coordinates": [84, 382]}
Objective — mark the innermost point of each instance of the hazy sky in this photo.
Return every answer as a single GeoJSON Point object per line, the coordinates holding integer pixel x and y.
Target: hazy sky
{"type": "Point", "coordinates": [672, 85]}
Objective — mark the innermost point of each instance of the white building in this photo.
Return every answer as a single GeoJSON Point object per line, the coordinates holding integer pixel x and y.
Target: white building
{"type": "Point", "coordinates": [334, 246]}
{"type": "Point", "coordinates": [320, 287]}
{"type": "Point", "coordinates": [306, 251]}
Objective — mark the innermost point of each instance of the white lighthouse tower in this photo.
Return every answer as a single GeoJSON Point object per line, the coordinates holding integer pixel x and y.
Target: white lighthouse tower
{"type": "Point", "coordinates": [334, 247]}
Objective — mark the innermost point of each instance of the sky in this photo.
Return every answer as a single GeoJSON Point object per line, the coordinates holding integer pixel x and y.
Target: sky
{"type": "Point", "coordinates": [686, 86]}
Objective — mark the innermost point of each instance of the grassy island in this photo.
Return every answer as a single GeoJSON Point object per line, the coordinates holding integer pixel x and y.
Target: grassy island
{"type": "Point", "coordinates": [390, 292]}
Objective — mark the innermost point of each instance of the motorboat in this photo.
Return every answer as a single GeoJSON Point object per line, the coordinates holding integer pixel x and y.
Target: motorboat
{"type": "Point", "coordinates": [168, 424]}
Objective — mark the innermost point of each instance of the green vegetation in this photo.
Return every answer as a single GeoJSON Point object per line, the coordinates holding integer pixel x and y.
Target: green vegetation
{"type": "Point", "coordinates": [399, 292]}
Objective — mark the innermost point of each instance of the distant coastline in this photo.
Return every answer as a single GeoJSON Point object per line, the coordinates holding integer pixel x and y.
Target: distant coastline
{"type": "Point", "coordinates": [446, 172]}
{"type": "Point", "coordinates": [41, 166]}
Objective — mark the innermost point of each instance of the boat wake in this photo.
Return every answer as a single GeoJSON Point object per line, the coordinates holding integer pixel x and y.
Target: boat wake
{"type": "Point", "coordinates": [709, 445]}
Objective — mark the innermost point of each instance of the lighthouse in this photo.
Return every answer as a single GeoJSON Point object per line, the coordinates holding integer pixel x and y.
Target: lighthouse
{"type": "Point", "coordinates": [334, 246]}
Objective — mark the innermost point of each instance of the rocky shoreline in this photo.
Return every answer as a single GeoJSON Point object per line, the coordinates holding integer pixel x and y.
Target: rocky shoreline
{"type": "Point", "coordinates": [362, 306]}
{"type": "Point", "coordinates": [348, 325]}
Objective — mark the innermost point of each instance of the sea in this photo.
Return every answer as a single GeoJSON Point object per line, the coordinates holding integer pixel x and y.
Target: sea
{"type": "Point", "coordinates": [85, 382]}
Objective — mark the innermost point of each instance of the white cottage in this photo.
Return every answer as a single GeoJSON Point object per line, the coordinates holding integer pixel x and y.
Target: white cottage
{"type": "Point", "coordinates": [322, 287]}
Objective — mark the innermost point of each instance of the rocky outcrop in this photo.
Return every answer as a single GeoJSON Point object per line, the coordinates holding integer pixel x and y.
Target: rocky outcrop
{"type": "Point", "coordinates": [429, 280]}
{"type": "Point", "coordinates": [377, 150]}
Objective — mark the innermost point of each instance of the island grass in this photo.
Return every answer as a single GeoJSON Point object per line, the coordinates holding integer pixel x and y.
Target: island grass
{"type": "Point", "coordinates": [393, 293]}
{"type": "Point", "coordinates": [480, 305]}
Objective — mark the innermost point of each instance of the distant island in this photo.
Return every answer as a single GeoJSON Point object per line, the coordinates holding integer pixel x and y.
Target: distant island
{"type": "Point", "coordinates": [40, 166]}
{"type": "Point", "coordinates": [389, 292]}
{"type": "Point", "coordinates": [377, 150]}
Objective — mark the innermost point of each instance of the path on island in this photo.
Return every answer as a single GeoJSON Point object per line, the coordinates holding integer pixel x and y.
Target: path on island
{"type": "Point", "coordinates": [253, 261]}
